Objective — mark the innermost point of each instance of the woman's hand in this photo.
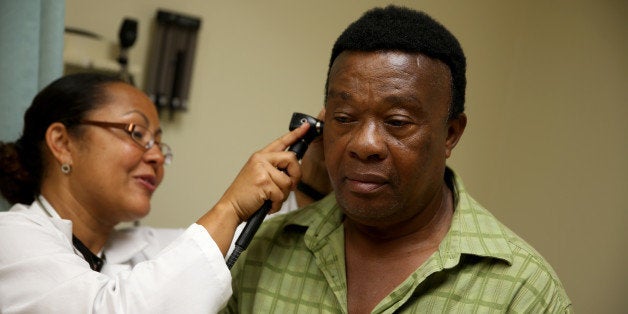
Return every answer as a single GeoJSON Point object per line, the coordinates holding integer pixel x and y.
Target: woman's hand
{"type": "Point", "coordinates": [269, 174]}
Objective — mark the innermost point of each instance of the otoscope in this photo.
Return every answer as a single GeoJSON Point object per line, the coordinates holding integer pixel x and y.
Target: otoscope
{"type": "Point", "coordinates": [299, 148]}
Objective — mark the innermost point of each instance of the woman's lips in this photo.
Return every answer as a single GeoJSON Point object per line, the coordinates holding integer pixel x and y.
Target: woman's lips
{"type": "Point", "coordinates": [148, 182]}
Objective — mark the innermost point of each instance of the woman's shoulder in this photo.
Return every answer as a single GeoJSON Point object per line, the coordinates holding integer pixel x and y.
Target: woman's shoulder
{"type": "Point", "coordinates": [24, 215]}
{"type": "Point", "coordinates": [145, 241]}
{"type": "Point", "coordinates": [151, 234]}
{"type": "Point", "coordinates": [28, 233]}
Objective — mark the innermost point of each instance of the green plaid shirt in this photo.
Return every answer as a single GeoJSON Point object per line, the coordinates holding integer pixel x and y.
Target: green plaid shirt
{"type": "Point", "coordinates": [296, 264]}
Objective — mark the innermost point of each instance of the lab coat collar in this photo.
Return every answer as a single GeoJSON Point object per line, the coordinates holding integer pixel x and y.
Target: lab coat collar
{"type": "Point", "coordinates": [121, 246]}
{"type": "Point", "coordinates": [42, 207]}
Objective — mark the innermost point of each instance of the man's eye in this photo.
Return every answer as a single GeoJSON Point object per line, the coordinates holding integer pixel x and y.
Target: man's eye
{"type": "Point", "coordinates": [342, 119]}
{"type": "Point", "coordinates": [397, 122]}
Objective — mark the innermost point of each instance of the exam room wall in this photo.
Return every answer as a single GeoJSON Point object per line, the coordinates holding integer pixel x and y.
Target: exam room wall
{"type": "Point", "coordinates": [545, 148]}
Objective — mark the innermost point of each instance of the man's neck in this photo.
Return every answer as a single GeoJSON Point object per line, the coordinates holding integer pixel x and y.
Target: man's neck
{"type": "Point", "coordinates": [427, 228]}
{"type": "Point", "coordinates": [379, 259]}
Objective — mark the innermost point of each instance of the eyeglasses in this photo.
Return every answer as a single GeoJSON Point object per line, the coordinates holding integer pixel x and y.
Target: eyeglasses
{"type": "Point", "coordinates": [140, 134]}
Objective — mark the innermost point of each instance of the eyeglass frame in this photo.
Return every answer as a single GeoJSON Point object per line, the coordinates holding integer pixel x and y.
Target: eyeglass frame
{"type": "Point", "coordinates": [129, 128]}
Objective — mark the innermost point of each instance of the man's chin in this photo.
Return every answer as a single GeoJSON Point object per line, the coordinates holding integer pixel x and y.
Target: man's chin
{"type": "Point", "coordinates": [368, 212]}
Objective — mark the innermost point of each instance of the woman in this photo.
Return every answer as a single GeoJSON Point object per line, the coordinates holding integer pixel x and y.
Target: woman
{"type": "Point", "coordinates": [90, 157]}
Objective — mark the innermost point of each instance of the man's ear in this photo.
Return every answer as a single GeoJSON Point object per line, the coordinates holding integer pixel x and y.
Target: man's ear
{"type": "Point", "coordinates": [58, 142]}
{"type": "Point", "coordinates": [455, 128]}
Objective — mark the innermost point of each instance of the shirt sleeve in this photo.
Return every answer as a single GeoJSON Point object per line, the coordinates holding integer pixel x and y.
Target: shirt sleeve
{"type": "Point", "coordinates": [39, 273]}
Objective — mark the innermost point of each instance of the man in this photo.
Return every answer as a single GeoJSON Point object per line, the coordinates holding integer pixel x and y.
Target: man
{"type": "Point", "coordinates": [399, 233]}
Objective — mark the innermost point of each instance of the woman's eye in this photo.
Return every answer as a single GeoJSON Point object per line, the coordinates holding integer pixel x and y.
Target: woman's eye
{"type": "Point", "coordinates": [138, 134]}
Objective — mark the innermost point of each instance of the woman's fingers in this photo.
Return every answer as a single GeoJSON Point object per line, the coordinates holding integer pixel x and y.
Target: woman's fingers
{"type": "Point", "coordinates": [281, 185]}
{"type": "Point", "coordinates": [269, 174]}
{"type": "Point", "coordinates": [282, 143]}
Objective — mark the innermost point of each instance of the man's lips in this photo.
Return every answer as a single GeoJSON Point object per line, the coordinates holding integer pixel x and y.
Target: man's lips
{"type": "Point", "coordinates": [148, 181]}
{"type": "Point", "coordinates": [365, 183]}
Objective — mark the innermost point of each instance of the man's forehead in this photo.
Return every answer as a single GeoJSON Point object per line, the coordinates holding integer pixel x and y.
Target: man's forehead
{"type": "Point", "coordinates": [420, 62]}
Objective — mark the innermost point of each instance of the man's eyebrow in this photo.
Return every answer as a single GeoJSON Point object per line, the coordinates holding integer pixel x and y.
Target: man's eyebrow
{"type": "Point", "coordinates": [340, 94]}
{"type": "Point", "coordinates": [403, 99]}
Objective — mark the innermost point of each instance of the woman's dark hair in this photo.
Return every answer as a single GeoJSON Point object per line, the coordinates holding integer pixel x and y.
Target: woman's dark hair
{"type": "Point", "coordinates": [398, 28]}
{"type": "Point", "coordinates": [66, 100]}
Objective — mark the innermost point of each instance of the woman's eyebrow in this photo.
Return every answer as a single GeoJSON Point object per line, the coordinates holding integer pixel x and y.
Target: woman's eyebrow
{"type": "Point", "coordinates": [139, 113]}
{"type": "Point", "coordinates": [157, 132]}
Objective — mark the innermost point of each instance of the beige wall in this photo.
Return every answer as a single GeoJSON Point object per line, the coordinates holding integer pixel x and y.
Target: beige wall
{"type": "Point", "coordinates": [545, 149]}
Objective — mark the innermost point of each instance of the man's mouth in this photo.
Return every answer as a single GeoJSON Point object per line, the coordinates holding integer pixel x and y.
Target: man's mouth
{"type": "Point", "coordinates": [365, 183]}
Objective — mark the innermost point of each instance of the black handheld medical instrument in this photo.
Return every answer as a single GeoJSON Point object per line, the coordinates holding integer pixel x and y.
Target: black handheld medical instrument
{"type": "Point", "coordinates": [299, 148]}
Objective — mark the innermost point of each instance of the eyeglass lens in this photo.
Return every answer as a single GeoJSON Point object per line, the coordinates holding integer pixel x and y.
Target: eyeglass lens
{"type": "Point", "coordinates": [145, 138]}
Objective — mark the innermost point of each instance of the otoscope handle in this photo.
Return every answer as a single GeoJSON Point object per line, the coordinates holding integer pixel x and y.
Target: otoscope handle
{"type": "Point", "coordinates": [255, 221]}
{"type": "Point", "coordinates": [257, 218]}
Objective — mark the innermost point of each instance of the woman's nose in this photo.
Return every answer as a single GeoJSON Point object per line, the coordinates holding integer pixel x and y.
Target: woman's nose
{"type": "Point", "coordinates": [155, 155]}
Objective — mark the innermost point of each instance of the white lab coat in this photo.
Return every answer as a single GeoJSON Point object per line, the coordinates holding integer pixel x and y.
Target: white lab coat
{"type": "Point", "coordinates": [147, 270]}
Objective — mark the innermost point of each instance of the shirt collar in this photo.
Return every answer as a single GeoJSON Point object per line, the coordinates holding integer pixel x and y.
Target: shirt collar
{"type": "Point", "coordinates": [317, 220]}
{"type": "Point", "coordinates": [473, 230]}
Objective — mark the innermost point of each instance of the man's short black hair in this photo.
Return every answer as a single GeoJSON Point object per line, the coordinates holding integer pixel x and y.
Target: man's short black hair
{"type": "Point", "coordinates": [399, 28]}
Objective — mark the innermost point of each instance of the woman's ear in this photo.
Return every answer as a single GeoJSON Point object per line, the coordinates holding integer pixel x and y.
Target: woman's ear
{"type": "Point", "coordinates": [58, 142]}
{"type": "Point", "coordinates": [455, 128]}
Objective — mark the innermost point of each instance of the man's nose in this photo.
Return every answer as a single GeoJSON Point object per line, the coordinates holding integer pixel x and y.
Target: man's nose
{"type": "Point", "coordinates": [367, 143]}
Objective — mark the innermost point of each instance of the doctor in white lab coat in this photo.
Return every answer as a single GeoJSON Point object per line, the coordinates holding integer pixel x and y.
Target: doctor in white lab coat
{"type": "Point", "coordinates": [90, 157]}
